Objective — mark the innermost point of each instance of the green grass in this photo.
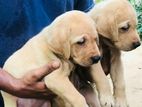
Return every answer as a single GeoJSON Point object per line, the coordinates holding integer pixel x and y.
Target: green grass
{"type": "Point", "coordinates": [137, 4]}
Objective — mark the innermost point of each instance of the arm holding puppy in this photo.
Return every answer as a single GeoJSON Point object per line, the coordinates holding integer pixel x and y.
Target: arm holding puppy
{"type": "Point", "coordinates": [29, 86]}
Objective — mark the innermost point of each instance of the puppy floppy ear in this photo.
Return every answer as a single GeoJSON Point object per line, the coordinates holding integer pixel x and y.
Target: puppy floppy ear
{"type": "Point", "coordinates": [114, 28]}
{"type": "Point", "coordinates": [59, 42]}
{"type": "Point", "coordinates": [106, 25]}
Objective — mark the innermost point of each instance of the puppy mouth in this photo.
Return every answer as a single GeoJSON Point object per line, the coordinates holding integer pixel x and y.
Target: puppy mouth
{"type": "Point", "coordinates": [127, 49]}
{"type": "Point", "coordinates": [81, 62]}
{"type": "Point", "coordinates": [87, 62]}
{"type": "Point", "coordinates": [133, 46]}
{"type": "Point", "coordinates": [84, 64]}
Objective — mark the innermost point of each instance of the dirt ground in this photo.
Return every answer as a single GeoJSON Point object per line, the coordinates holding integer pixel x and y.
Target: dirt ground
{"type": "Point", "coordinates": [133, 76]}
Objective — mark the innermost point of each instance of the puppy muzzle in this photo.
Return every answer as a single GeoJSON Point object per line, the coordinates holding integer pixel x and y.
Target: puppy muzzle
{"type": "Point", "coordinates": [95, 59]}
{"type": "Point", "coordinates": [136, 44]}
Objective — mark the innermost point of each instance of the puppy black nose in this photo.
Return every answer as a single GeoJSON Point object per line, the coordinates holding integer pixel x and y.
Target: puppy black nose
{"type": "Point", "coordinates": [136, 44]}
{"type": "Point", "coordinates": [95, 59]}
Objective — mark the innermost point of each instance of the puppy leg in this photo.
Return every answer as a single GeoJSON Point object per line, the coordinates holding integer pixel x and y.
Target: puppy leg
{"type": "Point", "coordinates": [90, 95]}
{"type": "Point", "coordinates": [102, 85]}
{"type": "Point", "coordinates": [61, 85]}
{"type": "Point", "coordinates": [117, 77]}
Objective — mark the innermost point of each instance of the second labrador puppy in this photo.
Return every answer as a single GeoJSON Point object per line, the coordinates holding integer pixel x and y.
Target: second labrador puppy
{"type": "Point", "coordinates": [116, 24]}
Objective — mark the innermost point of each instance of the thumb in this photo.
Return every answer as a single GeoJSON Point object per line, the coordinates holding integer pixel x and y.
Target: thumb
{"type": "Point", "coordinates": [45, 70]}
{"type": "Point", "coordinates": [38, 74]}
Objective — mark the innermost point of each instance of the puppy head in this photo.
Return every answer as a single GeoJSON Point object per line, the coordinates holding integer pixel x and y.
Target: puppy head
{"type": "Point", "coordinates": [84, 50]}
{"type": "Point", "coordinates": [73, 35]}
{"type": "Point", "coordinates": [116, 20]}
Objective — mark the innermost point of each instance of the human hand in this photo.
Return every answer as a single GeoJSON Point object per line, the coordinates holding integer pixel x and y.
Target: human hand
{"type": "Point", "coordinates": [31, 84]}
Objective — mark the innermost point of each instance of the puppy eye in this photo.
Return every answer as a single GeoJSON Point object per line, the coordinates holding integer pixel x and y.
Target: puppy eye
{"type": "Point", "coordinates": [125, 28]}
{"type": "Point", "coordinates": [81, 41]}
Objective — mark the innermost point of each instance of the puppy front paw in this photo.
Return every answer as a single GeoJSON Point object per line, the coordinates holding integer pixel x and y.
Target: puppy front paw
{"type": "Point", "coordinates": [121, 102]}
{"type": "Point", "coordinates": [106, 100]}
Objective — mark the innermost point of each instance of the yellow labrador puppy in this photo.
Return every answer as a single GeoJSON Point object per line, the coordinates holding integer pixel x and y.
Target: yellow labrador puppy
{"type": "Point", "coordinates": [116, 24]}
{"type": "Point", "coordinates": [71, 39]}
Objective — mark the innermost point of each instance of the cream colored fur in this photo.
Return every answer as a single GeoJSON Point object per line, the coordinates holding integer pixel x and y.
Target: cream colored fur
{"type": "Point", "coordinates": [58, 41]}
{"type": "Point", "coordinates": [111, 17]}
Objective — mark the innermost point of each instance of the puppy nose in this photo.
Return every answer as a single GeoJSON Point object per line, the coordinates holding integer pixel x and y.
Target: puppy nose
{"type": "Point", "coordinates": [136, 44]}
{"type": "Point", "coordinates": [95, 59]}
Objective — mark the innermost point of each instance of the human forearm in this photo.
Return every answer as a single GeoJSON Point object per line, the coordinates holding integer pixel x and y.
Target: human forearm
{"type": "Point", "coordinates": [5, 81]}
{"type": "Point", "coordinates": [29, 86]}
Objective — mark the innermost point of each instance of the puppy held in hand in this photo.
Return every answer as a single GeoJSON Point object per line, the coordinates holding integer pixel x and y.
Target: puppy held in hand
{"type": "Point", "coordinates": [71, 39]}
{"type": "Point", "coordinates": [116, 24]}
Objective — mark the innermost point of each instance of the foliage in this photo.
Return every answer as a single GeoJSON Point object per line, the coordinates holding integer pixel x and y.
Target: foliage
{"type": "Point", "coordinates": [138, 7]}
{"type": "Point", "coordinates": [97, 1]}
{"type": "Point", "coordinates": [137, 4]}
